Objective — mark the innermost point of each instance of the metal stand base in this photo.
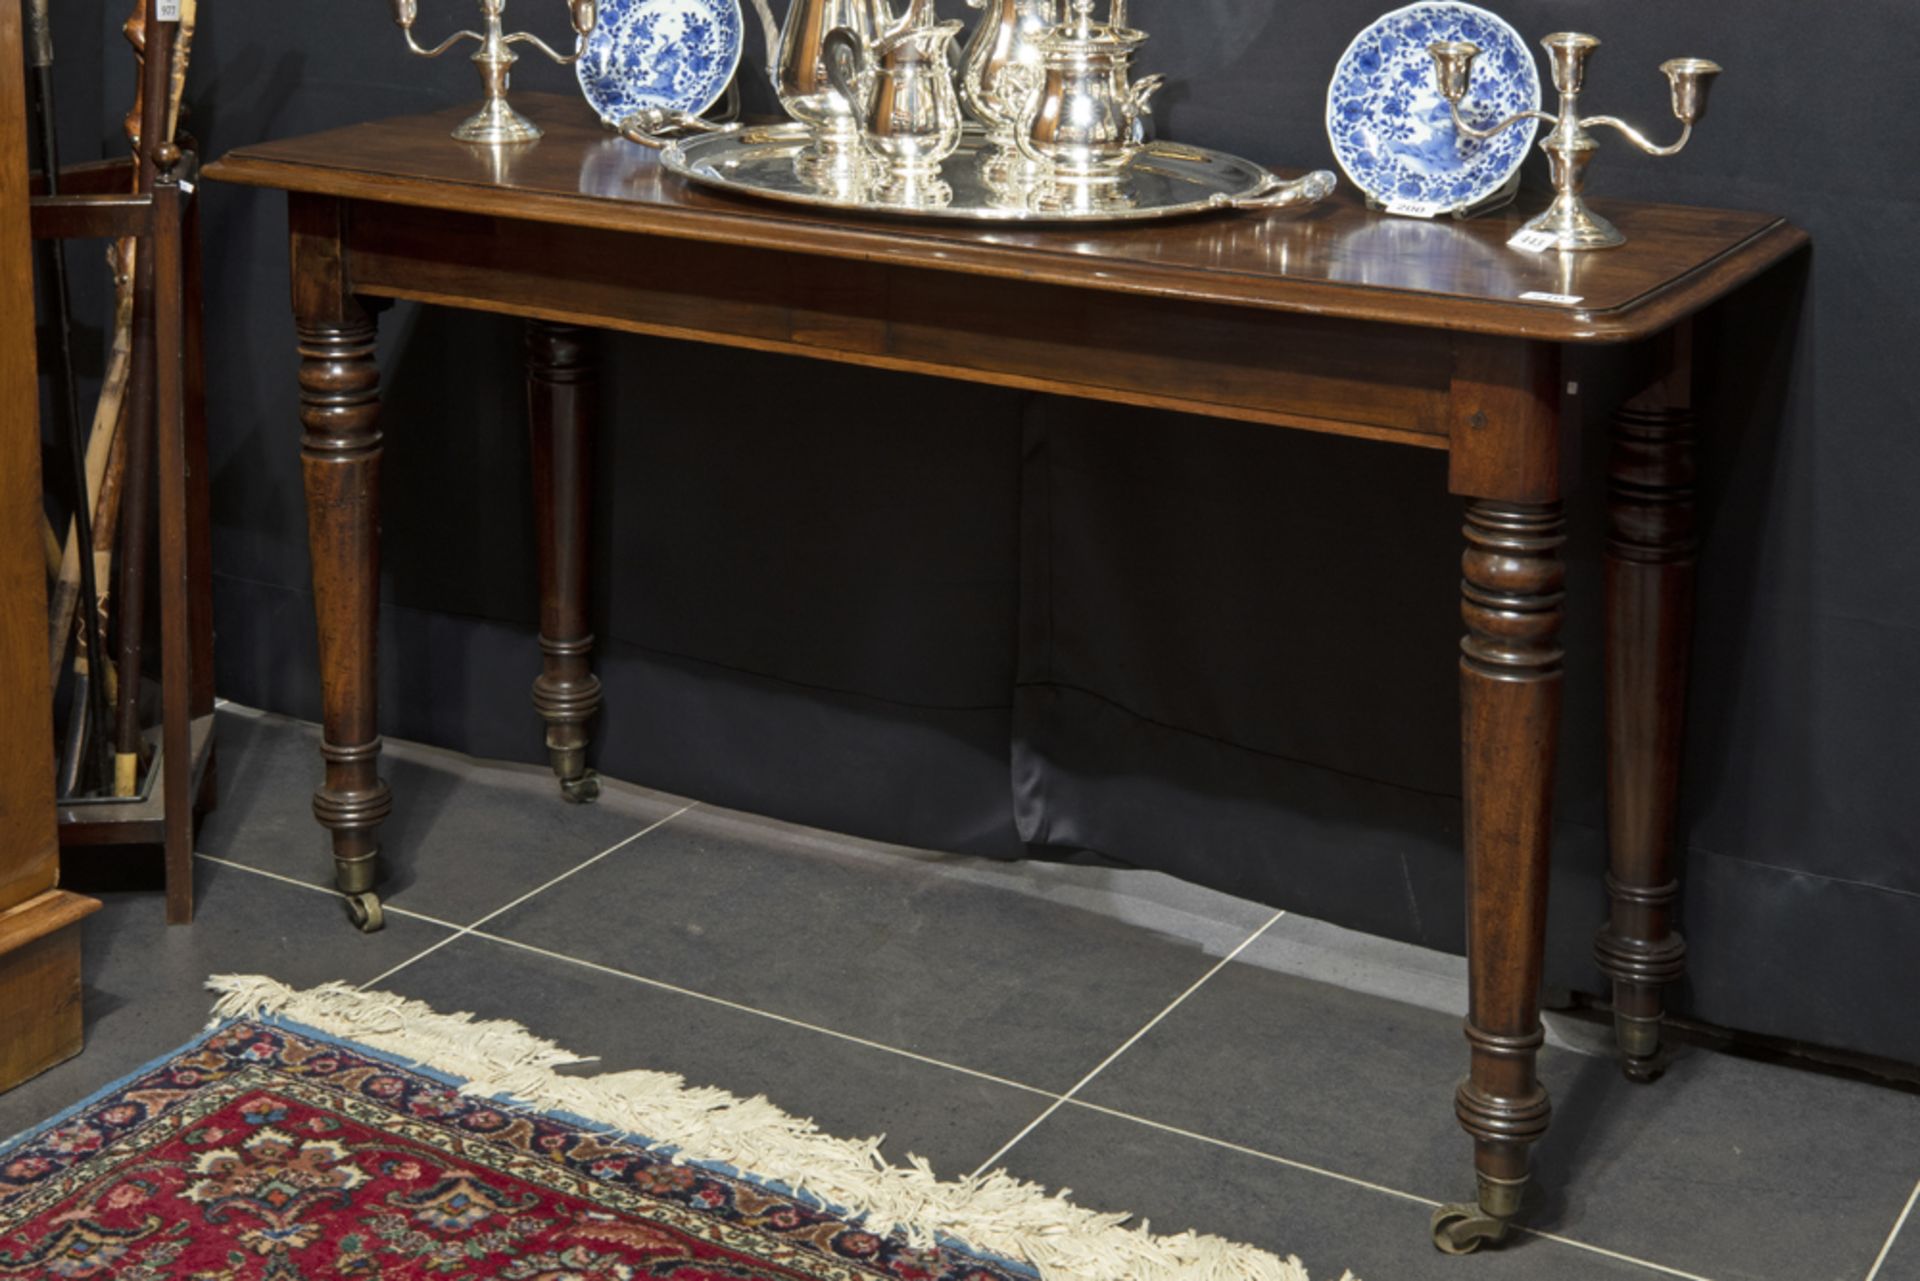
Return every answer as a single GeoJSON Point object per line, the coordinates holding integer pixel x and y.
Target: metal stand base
{"type": "Point", "coordinates": [1575, 227]}
{"type": "Point", "coordinates": [496, 124]}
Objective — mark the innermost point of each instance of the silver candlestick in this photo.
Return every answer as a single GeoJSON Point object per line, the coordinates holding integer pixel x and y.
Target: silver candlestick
{"type": "Point", "coordinates": [496, 122]}
{"type": "Point", "coordinates": [1570, 147]}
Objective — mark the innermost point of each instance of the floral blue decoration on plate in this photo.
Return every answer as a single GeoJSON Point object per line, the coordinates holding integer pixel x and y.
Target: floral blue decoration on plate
{"type": "Point", "coordinates": [674, 54]}
{"type": "Point", "coordinates": [1389, 125]}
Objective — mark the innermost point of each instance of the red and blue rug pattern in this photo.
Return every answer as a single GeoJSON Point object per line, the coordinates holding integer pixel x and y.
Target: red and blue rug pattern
{"type": "Point", "coordinates": [268, 1152]}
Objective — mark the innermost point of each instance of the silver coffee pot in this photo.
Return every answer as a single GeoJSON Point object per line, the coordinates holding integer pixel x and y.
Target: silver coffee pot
{"type": "Point", "coordinates": [800, 72]}
{"type": "Point", "coordinates": [993, 91]}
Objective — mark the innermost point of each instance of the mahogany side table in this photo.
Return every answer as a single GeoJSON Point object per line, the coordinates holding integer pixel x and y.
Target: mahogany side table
{"type": "Point", "coordinates": [1333, 320]}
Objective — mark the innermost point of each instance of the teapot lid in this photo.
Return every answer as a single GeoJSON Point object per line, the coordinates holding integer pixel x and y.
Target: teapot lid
{"type": "Point", "coordinates": [1081, 34]}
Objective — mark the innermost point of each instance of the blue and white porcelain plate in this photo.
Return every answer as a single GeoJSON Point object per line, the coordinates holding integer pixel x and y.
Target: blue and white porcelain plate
{"type": "Point", "coordinates": [674, 54]}
{"type": "Point", "coordinates": [1390, 127]}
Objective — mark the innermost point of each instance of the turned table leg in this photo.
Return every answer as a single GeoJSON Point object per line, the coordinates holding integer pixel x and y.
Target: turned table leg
{"type": "Point", "coordinates": [340, 458]}
{"type": "Point", "coordinates": [340, 461]}
{"type": "Point", "coordinates": [562, 389]}
{"type": "Point", "coordinates": [1510, 688]}
{"type": "Point", "coordinates": [1505, 461]}
{"type": "Point", "coordinates": [1649, 609]}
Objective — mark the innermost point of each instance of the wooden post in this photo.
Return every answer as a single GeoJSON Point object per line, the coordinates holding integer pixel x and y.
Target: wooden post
{"type": "Point", "coordinates": [176, 588]}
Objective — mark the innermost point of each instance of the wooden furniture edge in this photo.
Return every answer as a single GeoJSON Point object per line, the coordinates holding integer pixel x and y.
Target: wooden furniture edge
{"type": "Point", "coordinates": [29, 849]}
{"type": "Point", "coordinates": [1641, 318]}
{"type": "Point", "coordinates": [41, 993]}
{"type": "Point", "coordinates": [908, 365]}
{"type": "Point", "coordinates": [1659, 310]}
{"type": "Point", "coordinates": [44, 914]}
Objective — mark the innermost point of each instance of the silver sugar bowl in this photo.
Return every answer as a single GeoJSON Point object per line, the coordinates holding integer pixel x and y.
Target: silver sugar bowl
{"type": "Point", "coordinates": [1086, 119]}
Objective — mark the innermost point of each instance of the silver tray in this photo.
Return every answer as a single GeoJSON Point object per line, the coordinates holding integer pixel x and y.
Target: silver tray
{"type": "Point", "coordinates": [980, 183]}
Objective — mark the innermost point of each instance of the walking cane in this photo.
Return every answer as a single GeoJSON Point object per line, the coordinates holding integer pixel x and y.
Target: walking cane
{"type": "Point", "coordinates": [89, 704]}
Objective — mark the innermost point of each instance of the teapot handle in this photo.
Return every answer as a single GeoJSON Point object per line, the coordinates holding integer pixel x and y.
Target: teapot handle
{"type": "Point", "coordinates": [770, 31]}
{"type": "Point", "coordinates": [844, 55]}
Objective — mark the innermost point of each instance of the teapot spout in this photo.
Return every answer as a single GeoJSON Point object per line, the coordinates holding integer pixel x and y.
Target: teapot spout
{"type": "Point", "coordinates": [1139, 96]}
{"type": "Point", "coordinates": [1024, 90]}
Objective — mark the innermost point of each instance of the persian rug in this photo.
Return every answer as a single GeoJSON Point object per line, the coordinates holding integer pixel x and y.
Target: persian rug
{"type": "Point", "coordinates": [332, 1133]}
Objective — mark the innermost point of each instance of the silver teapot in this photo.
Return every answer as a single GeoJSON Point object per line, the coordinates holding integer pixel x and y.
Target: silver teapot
{"type": "Point", "coordinates": [1084, 118]}
{"type": "Point", "coordinates": [901, 88]}
{"type": "Point", "coordinates": [1005, 39]}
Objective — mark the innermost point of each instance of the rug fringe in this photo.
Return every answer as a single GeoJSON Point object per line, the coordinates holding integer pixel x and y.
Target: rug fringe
{"type": "Point", "coordinates": [994, 1213]}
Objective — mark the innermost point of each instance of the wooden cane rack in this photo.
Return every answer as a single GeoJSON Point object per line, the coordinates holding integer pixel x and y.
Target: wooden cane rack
{"type": "Point", "coordinates": [148, 199]}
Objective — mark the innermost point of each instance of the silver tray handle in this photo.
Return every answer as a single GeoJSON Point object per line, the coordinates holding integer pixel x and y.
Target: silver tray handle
{"type": "Point", "coordinates": [658, 127]}
{"type": "Point", "coordinates": [1278, 193]}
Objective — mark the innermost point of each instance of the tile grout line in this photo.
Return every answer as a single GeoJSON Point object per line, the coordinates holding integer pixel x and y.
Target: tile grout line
{"type": "Point", "coordinates": [538, 889]}
{"type": "Point", "coordinates": [1059, 1099]}
{"type": "Point", "coordinates": [1605, 1253]}
{"type": "Point", "coordinates": [662, 985]}
{"type": "Point", "coordinates": [1244, 1150]}
{"type": "Point", "coordinates": [1368, 1185]}
{"type": "Point", "coordinates": [1107, 1062]}
{"type": "Point", "coordinates": [1352, 1180]}
{"type": "Point", "coordinates": [1901, 1222]}
{"type": "Point", "coordinates": [737, 1006]}
{"type": "Point", "coordinates": [328, 890]}
{"type": "Point", "coordinates": [474, 931]}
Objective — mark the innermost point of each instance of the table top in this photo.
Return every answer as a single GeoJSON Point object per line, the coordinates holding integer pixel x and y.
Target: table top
{"type": "Point", "coordinates": [1338, 258]}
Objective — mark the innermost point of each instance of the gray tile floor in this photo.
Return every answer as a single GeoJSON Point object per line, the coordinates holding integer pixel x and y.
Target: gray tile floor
{"type": "Point", "coordinates": [1201, 1061]}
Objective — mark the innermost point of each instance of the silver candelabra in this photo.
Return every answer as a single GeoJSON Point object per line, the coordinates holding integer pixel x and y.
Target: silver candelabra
{"type": "Point", "coordinates": [1570, 146]}
{"type": "Point", "coordinates": [496, 122]}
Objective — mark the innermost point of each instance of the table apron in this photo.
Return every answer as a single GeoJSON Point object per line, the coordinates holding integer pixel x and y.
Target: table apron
{"type": "Point", "coordinates": [1345, 377]}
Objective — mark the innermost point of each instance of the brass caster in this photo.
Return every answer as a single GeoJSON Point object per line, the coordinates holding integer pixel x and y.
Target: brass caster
{"type": "Point", "coordinates": [584, 790]}
{"type": "Point", "coordinates": [1643, 1071]}
{"type": "Point", "coordinates": [364, 911]}
{"type": "Point", "coordinates": [1462, 1229]}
